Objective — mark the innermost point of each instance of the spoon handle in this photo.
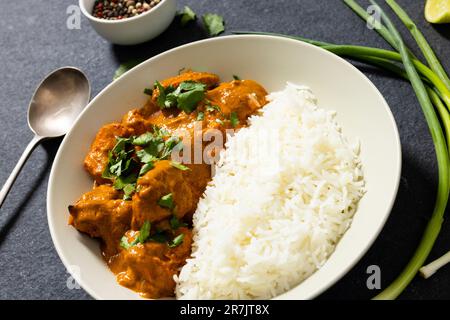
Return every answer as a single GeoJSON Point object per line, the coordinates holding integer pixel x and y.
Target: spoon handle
{"type": "Point", "coordinates": [8, 184]}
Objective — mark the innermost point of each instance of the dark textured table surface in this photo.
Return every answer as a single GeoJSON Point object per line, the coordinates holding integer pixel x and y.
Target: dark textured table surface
{"type": "Point", "coordinates": [34, 40]}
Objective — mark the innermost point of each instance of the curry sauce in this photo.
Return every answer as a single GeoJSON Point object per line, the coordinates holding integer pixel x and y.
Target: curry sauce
{"type": "Point", "coordinates": [117, 218]}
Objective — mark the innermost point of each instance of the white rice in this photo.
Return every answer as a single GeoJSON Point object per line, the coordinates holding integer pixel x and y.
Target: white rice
{"type": "Point", "coordinates": [285, 191]}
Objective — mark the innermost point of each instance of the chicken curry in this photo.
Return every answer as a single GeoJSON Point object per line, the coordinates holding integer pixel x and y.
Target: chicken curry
{"type": "Point", "coordinates": [142, 202]}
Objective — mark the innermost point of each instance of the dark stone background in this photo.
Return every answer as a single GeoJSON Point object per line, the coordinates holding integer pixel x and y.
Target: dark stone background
{"type": "Point", "coordinates": [34, 40]}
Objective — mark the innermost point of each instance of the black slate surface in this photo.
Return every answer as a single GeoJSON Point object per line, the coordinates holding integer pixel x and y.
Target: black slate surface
{"type": "Point", "coordinates": [34, 40]}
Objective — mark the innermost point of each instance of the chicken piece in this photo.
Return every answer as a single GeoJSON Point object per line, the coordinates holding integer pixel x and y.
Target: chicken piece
{"type": "Point", "coordinates": [186, 188]}
{"type": "Point", "coordinates": [244, 97]}
{"type": "Point", "coordinates": [149, 268]}
{"type": "Point", "coordinates": [101, 213]}
{"type": "Point", "coordinates": [97, 158]}
{"type": "Point", "coordinates": [139, 121]}
{"type": "Point", "coordinates": [209, 79]}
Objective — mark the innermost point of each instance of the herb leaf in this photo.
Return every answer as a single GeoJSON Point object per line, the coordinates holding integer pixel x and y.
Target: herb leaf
{"type": "Point", "coordinates": [128, 191]}
{"type": "Point", "coordinates": [177, 241]}
{"type": "Point", "coordinates": [124, 67]}
{"type": "Point", "coordinates": [146, 168]}
{"type": "Point", "coordinates": [188, 101]}
{"type": "Point", "coordinates": [200, 116]}
{"type": "Point", "coordinates": [148, 91]}
{"type": "Point", "coordinates": [234, 120]}
{"type": "Point", "coordinates": [214, 24]}
{"type": "Point", "coordinates": [179, 166]}
{"type": "Point", "coordinates": [185, 97]}
{"type": "Point", "coordinates": [124, 242]}
{"type": "Point", "coordinates": [166, 201]}
{"type": "Point", "coordinates": [187, 15]}
{"type": "Point", "coordinates": [235, 77]}
{"type": "Point", "coordinates": [144, 233]}
{"type": "Point", "coordinates": [143, 139]}
{"type": "Point", "coordinates": [159, 237]}
{"type": "Point", "coordinates": [212, 108]}
{"type": "Point", "coordinates": [175, 223]}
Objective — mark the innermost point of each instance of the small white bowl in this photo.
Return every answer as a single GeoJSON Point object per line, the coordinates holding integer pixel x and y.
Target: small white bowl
{"type": "Point", "coordinates": [134, 30]}
{"type": "Point", "coordinates": [361, 111]}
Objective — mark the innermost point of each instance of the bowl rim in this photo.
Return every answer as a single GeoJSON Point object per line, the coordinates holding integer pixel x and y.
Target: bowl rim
{"type": "Point", "coordinates": [88, 15]}
{"type": "Point", "coordinates": [338, 276]}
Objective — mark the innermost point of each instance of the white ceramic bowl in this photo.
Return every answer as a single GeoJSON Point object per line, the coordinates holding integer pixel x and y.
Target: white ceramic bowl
{"type": "Point", "coordinates": [134, 30]}
{"type": "Point", "coordinates": [362, 112]}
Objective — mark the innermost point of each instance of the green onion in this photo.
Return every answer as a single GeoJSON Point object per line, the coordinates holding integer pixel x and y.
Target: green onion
{"type": "Point", "coordinates": [424, 46]}
{"type": "Point", "coordinates": [382, 30]}
{"type": "Point", "coordinates": [435, 223]}
{"type": "Point", "coordinates": [431, 89]}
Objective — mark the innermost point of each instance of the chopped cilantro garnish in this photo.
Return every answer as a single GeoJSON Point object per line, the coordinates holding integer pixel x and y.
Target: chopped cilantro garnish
{"type": "Point", "coordinates": [200, 116]}
{"type": "Point", "coordinates": [166, 201]}
{"type": "Point", "coordinates": [148, 91]}
{"type": "Point", "coordinates": [234, 120]}
{"type": "Point", "coordinates": [179, 166]}
{"type": "Point", "coordinates": [185, 97]}
{"type": "Point", "coordinates": [144, 233]}
{"type": "Point", "coordinates": [177, 241]}
{"type": "Point", "coordinates": [124, 168]}
{"type": "Point", "coordinates": [175, 223]}
{"type": "Point", "coordinates": [211, 108]}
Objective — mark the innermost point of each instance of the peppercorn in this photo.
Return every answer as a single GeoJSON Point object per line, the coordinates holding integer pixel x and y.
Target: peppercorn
{"type": "Point", "coordinates": [121, 9]}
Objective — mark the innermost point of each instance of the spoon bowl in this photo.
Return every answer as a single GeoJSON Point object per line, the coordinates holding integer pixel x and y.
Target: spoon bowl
{"type": "Point", "coordinates": [57, 102]}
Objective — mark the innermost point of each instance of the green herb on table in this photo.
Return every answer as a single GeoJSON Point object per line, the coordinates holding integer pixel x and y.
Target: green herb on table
{"type": "Point", "coordinates": [166, 201]}
{"type": "Point", "coordinates": [214, 24]}
{"type": "Point", "coordinates": [125, 67]}
{"type": "Point", "coordinates": [177, 241]}
{"type": "Point", "coordinates": [186, 15]}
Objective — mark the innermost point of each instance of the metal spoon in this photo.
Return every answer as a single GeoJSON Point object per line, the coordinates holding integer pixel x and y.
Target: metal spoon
{"type": "Point", "coordinates": [56, 103]}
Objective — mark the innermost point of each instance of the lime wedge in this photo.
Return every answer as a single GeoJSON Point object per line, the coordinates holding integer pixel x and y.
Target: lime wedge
{"type": "Point", "coordinates": [437, 11]}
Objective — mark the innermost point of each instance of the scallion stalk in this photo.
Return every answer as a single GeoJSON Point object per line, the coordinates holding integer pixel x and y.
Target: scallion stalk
{"type": "Point", "coordinates": [423, 44]}
{"type": "Point", "coordinates": [434, 225]}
